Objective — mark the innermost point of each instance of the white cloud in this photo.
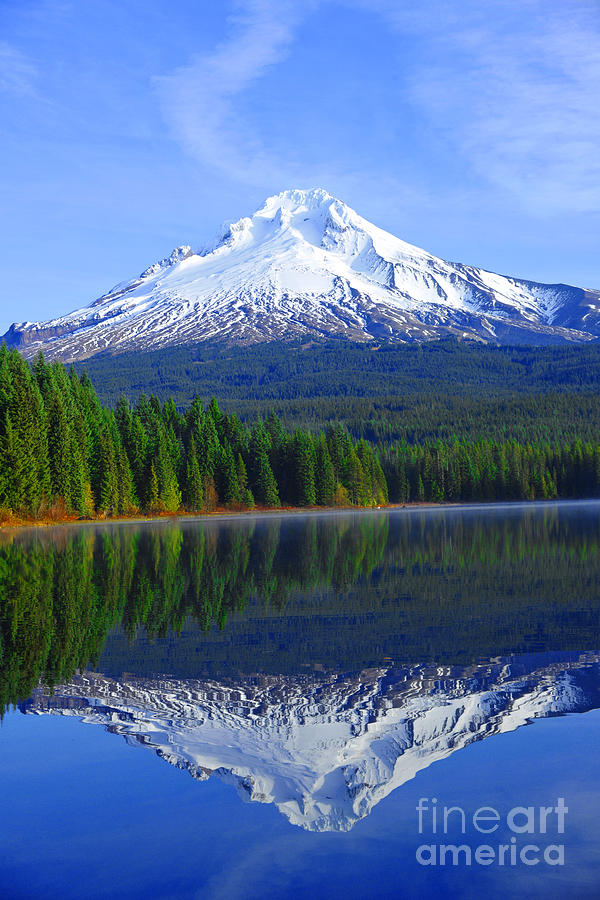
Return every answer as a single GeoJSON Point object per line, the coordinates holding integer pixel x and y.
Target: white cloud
{"type": "Point", "coordinates": [512, 86]}
{"type": "Point", "coordinates": [198, 99]}
{"type": "Point", "coordinates": [516, 88]}
{"type": "Point", "coordinates": [17, 73]}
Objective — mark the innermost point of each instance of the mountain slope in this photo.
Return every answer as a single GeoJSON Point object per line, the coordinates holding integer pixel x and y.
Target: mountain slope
{"type": "Point", "coordinates": [308, 264]}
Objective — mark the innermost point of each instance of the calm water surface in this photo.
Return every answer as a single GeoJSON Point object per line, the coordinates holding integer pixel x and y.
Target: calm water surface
{"type": "Point", "coordinates": [303, 706]}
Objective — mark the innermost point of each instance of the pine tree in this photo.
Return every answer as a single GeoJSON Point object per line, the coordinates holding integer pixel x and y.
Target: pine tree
{"type": "Point", "coordinates": [168, 487]}
{"type": "Point", "coordinates": [9, 498]}
{"type": "Point", "coordinates": [229, 488]}
{"type": "Point", "coordinates": [279, 450]}
{"type": "Point", "coordinates": [106, 475]}
{"type": "Point", "coordinates": [24, 408]}
{"type": "Point", "coordinates": [303, 469]}
{"type": "Point", "coordinates": [193, 486]}
{"type": "Point", "coordinates": [263, 484]}
{"type": "Point", "coordinates": [355, 479]}
{"type": "Point", "coordinates": [59, 449]}
{"type": "Point", "coordinates": [154, 503]}
{"type": "Point", "coordinates": [324, 474]}
{"type": "Point", "coordinates": [380, 488]}
{"type": "Point", "coordinates": [208, 447]}
{"type": "Point", "coordinates": [242, 476]}
{"type": "Point", "coordinates": [137, 453]}
{"type": "Point", "coordinates": [125, 487]}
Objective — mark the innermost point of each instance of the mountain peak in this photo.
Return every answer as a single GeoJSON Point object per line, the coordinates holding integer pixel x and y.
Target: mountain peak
{"type": "Point", "coordinates": [307, 216]}
{"type": "Point", "coordinates": [295, 200]}
{"type": "Point", "coordinates": [306, 263]}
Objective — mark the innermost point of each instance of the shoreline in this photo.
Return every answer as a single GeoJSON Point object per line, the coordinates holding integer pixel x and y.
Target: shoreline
{"type": "Point", "coordinates": [221, 513]}
{"type": "Point", "coordinates": [224, 514]}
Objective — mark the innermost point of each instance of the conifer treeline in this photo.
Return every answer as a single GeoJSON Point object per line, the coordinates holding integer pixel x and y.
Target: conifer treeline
{"type": "Point", "coordinates": [61, 450]}
{"type": "Point", "coordinates": [491, 470]}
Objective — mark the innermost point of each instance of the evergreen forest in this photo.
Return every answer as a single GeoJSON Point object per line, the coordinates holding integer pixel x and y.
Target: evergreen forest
{"type": "Point", "coordinates": [385, 393]}
{"type": "Point", "coordinates": [63, 453]}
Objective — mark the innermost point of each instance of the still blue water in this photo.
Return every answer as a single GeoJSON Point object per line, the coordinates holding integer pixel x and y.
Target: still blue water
{"type": "Point", "coordinates": [250, 708]}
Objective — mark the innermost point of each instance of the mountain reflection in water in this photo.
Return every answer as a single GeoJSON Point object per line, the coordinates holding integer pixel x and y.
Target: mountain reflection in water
{"type": "Point", "coordinates": [326, 749]}
{"type": "Point", "coordinates": [318, 661]}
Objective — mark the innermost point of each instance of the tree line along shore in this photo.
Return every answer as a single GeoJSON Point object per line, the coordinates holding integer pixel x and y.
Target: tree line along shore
{"type": "Point", "coordinates": [64, 454]}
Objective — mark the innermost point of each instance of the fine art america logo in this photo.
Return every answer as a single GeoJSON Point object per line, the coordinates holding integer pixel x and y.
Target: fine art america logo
{"type": "Point", "coordinates": [530, 835]}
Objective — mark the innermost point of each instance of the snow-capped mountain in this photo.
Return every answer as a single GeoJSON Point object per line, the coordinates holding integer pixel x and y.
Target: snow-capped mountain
{"type": "Point", "coordinates": [326, 749]}
{"type": "Point", "coordinates": [308, 264]}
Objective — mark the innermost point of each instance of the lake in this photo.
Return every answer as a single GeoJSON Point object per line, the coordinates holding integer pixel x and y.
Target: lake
{"type": "Point", "coordinates": [396, 703]}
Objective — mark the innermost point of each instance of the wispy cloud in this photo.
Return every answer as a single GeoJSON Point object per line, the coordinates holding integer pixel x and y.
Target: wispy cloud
{"type": "Point", "coordinates": [17, 73]}
{"type": "Point", "coordinates": [199, 99]}
{"type": "Point", "coordinates": [515, 88]}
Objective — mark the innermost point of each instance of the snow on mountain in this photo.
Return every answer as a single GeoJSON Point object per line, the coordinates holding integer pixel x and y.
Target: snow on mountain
{"type": "Point", "coordinates": [325, 749]}
{"type": "Point", "coordinates": [308, 264]}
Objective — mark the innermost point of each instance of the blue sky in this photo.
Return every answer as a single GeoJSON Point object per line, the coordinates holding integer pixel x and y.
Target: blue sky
{"type": "Point", "coordinates": [468, 128]}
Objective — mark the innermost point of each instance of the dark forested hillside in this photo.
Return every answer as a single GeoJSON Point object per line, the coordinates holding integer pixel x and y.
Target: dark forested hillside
{"type": "Point", "coordinates": [416, 392]}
